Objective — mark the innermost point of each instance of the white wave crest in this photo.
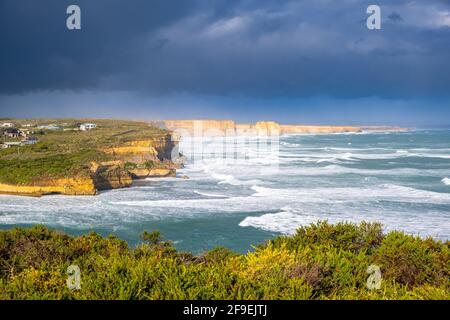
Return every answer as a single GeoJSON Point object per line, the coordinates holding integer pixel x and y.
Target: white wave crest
{"type": "Point", "coordinates": [231, 180]}
{"type": "Point", "coordinates": [210, 194]}
{"type": "Point", "coordinates": [339, 170]}
{"type": "Point", "coordinates": [384, 192]}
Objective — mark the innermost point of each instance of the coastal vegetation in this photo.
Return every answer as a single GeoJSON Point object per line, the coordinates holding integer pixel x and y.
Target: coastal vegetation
{"type": "Point", "coordinates": [26, 171]}
{"type": "Point", "coordinates": [321, 261]}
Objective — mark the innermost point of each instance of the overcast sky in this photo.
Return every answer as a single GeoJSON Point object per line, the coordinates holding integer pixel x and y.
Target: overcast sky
{"type": "Point", "coordinates": [302, 61]}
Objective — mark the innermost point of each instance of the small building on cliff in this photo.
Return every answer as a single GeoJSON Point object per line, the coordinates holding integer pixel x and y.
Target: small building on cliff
{"type": "Point", "coordinates": [25, 132]}
{"type": "Point", "coordinates": [87, 126]}
{"type": "Point", "coordinates": [12, 133]}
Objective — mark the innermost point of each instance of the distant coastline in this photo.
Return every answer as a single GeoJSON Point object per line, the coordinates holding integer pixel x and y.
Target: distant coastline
{"type": "Point", "coordinates": [260, 128]}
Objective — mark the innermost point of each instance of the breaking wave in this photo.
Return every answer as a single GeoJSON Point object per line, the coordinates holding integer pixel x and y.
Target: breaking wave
{"type": "Point", "coordinates": [210, 194]}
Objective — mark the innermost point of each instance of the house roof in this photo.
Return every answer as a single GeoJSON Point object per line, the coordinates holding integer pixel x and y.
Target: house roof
{"type": "Point", "coordinates": [11, 130]}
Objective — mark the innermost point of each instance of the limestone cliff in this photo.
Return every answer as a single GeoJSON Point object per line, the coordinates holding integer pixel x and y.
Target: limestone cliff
{"type": "Point", "coordinates": [198, 127]}
{"type": "Point", "coordinates": [67, 186]}
{"type": "Point", "coordinates": [104, 176]}
{"type": "Point", "coordinates": [214, 128]}
{"type": "Point", "coordinates": [260, 128]}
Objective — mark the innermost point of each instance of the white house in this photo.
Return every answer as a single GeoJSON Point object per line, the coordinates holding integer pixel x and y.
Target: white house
{"type": "Point", "coordinates": [12, 133]}
{"type": "Point", "coordinates": [24, 132]}
{"type": "Point", "coordinates": [7, 125]}
{"type": "Point", "coordinates": [87, 126]}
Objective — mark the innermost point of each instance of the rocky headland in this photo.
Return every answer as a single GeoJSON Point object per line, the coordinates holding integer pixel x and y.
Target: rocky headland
{"type": "Point", "coordinates": [84, 163]}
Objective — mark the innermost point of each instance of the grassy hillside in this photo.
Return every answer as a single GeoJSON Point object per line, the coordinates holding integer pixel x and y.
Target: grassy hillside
{"type": "Point", "coordinates": [321, 261]}
{"type": "Point", "coordinates": [66, 152]}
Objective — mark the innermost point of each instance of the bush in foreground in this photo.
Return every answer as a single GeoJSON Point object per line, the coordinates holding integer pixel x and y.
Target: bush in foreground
{"type": "Point", "coordinates": [321, 261]}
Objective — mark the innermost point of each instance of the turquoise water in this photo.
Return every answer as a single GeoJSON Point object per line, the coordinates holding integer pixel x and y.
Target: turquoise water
{"type": "Point", "coordinates": [244, 191]}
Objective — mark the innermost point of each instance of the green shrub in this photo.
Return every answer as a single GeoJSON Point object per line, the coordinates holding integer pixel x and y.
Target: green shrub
{"type": "Point", "coordinates": [130, 165]}
{"type": "Point", "coordinates": [320, 261]}
{"type": "Point", "coordinates": [413, 261]}
{"type": "Point", "coordinates": [347, 236]}
{"type": "Point", "coordinates": [149, 164]}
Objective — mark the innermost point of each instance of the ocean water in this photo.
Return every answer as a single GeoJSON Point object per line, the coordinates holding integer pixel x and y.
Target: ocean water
{"type": "Point", "coordinates": [242, 191]}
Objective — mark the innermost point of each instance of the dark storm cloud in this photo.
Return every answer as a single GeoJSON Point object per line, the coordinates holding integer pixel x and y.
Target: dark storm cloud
{"type": "Point", "coordinates": [38, 52]}
{"type": "Point", "coordinates": [222, 47]}
{"type": "Point", "coordinates": [395, 17]}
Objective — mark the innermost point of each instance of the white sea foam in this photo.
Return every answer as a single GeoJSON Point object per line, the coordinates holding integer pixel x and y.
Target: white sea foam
{"type": "Point", "coordinates": [340, 170]}
{"type": "Point", "coordinates": [267, 198]}
{"type": "Point", "coordinates": [446, 181]}
{"type": "Point", "coordinates": [288, 220]}
{"type": "Point", "coordinates": [158, 179]}
{"type": "Point", "coordinates": [317, 155]}
{"type": "Point", "coordinates": [386, 192]}
{"type": "Point", "coordinates": [210, 194]}
{"type": "Point", "coordinates": [224, 178]}
{"type": "Point", "coordinates": [231, 180]}
{"type": "Point", "coordinates": [181, 207]}
{"type": "Point", "coordinates": [338, 157]}
{"type": "Point", "coordinates": [283, 222]}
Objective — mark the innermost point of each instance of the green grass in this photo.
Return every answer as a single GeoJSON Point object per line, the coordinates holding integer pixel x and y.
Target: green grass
{"type": "Point", "coordinates": [28, 171]}
{"type": "Point", "coordinates": [321, 261]}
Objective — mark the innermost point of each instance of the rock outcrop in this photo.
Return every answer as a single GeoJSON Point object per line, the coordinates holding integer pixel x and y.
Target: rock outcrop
{"type": "Point", "coordinates": [143, 173]}
{"type": "Point", "coordinates": [110, 175]}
